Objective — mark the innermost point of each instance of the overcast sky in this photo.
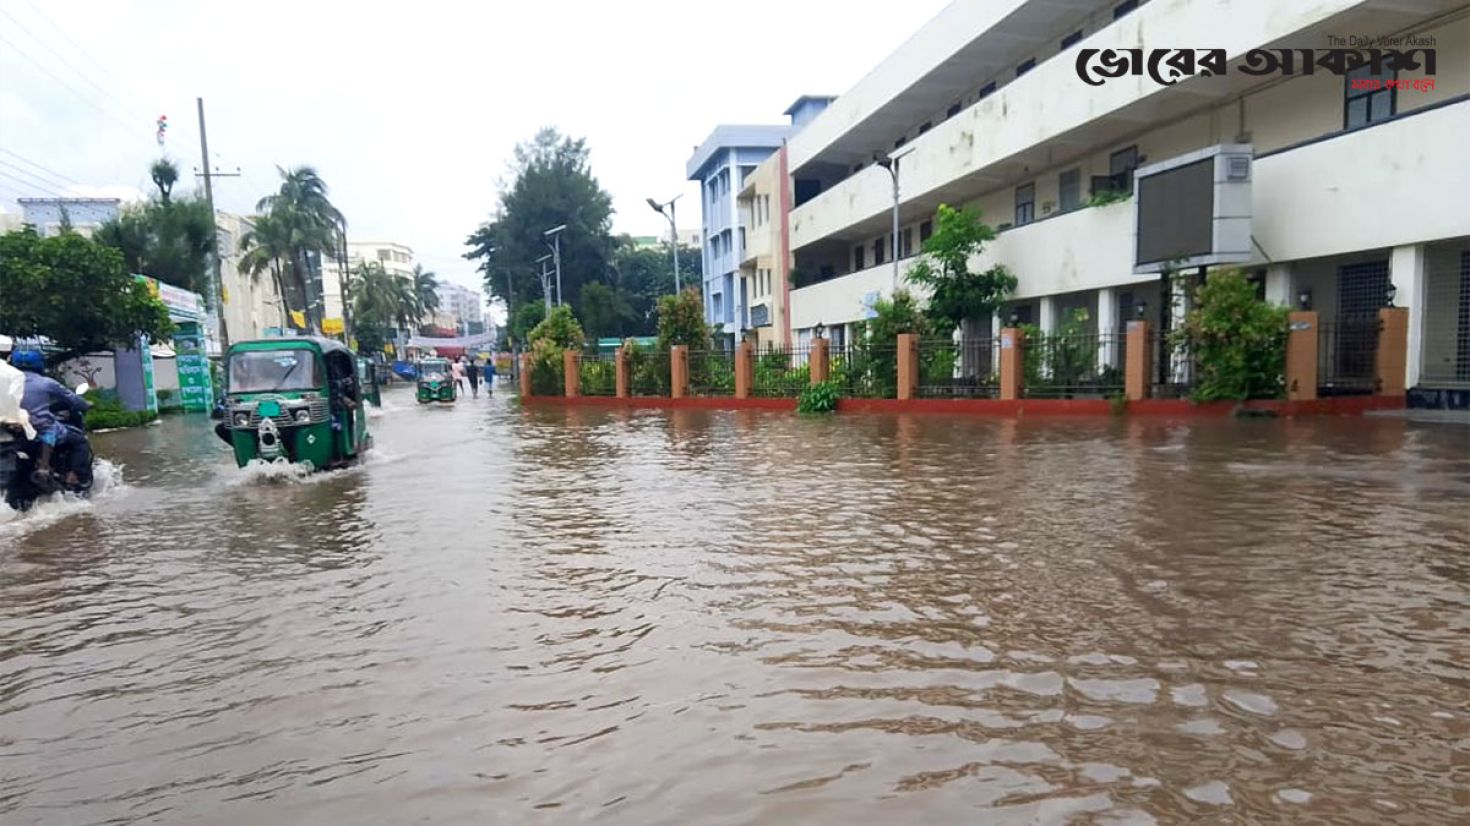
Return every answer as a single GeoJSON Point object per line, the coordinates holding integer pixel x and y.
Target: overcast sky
{"type": "Point", "coordinates": [410, 110]}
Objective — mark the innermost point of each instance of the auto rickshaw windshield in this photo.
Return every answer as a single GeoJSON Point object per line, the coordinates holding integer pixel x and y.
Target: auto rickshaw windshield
{"type": "Point", "coordinates": [271, 371]}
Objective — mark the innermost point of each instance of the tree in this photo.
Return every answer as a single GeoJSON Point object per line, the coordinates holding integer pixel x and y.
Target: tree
{"type": "Point", "coordinates": [1238, 341]}
{"type": "Point", "coordinates": [266, 249]}
{"type": "Point", "coordinates": [166, 238]}
{"type": "Point", "coordinates": [75, 292]}
{"type": "Point", "coordinates": [552, 186]}
{"type": "Point", "coordinates": [556, 334]}
{"type": "Point", "coordinates": [644, 274]}
{"type": "Point", "coordinates": [681, 321]}
{"type": "Point", "coordinates": [306, 222]}
{"type": "Point", "coordinates": [164, 175]}
{"type": "Point", "coordinates": [606, 311]}
{"type": "Point", "coordinates": [527, 316]}
{"type": "Point", "coordinates": [956, 293]}
{"type": "Point", "coordinates": [425, 292]}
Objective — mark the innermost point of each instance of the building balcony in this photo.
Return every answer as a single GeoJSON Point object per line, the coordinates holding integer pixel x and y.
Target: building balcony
{"type": "Point", "coordinates": [1048, 111]}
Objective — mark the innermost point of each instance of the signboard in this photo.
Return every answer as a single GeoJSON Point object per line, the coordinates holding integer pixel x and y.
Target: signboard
{"type": "Point", "coordinates": [333, 326]}
{"type": "Point", "coordinates": [1194, 210]}
{"type": "Point", "coordinates": [150, 393]}
{"type": "Point", "coordinates": [182, 304]}
{"type": "Point", "coordinates": [195, 388]}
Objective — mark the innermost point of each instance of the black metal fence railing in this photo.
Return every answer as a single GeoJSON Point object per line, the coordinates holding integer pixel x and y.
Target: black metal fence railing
{"type": "Point", "coordinates": [1073, 364]}
{"type": "Point", "coordinates": [1175, 369]}
{"type": "Point", "coordinates": [1346, 355]}
{"type": "Point", "coordinates": [648, 372]}
{"type": "Point", "coordinates": [711, 373]}
{"type": "Point", "coordinates": [781, 372]}
{"type": "Point", "coordinates": [598, 374]}
{"type": "Point", "coordinates": [865, 370]}
{"type": "Point", "coordinates": [967, 368]}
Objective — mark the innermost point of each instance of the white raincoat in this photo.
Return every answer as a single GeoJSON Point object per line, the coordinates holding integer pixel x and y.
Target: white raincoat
{"type": "Point", "coordinates": [12, 391]}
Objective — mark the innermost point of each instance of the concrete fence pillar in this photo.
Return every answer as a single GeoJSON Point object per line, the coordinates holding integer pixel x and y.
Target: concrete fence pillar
{"type": "Point", "coordinates": [679, 371]}
{"type": "Point", "coordinates": [820, 362]}
{"type": "Point", "coordinates": [744, 369]}
{"type": "Point", "coordinates": [621, 362]}
{"type": "Point", "coordinates": [1301, 356]}
{"type": "Point", "coordinates": [1391, 362]}
{"type": "Point", "coordinates": [571, 369]}
{"type": "Point", "coordinates": [908, 365]}
{"type": "Point", "coordinates": [1012, 344]}
{"type": "Point", "coordinates": [525, 374]}
{"type": "Point", "coordinates": [1138, 367]}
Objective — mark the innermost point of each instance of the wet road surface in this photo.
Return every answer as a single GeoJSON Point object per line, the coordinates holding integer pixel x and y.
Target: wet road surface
{"type": "Point", "coordinates": [554, 616]}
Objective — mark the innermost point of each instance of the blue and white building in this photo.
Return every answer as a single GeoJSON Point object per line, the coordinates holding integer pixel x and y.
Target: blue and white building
{"type": "Point", "coordinates": [721, 164]}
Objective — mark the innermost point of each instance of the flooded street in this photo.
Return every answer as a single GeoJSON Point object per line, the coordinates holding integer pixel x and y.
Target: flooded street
{"type": "Point", "coordinates": [574, 615]}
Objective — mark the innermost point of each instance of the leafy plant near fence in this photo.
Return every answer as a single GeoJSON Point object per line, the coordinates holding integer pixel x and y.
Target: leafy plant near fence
{"type": "Point", "coordinates": [1065, 361]}
{"type": "Point", "coordinates": [1238, 341]}
{"type": "Point", "coordinates": [818, 398]}
{"type": "Point", "coordinates": [775, 376]}
{"type": "Point", "coordinates": [648, 371]}
{"type": "Point", "coordinates": [107, 412]}
{"type": "Point", "coordinates": [598, 377]}
{"type": "Point", "coordinates": [556, 334]}
{"type": "Point", "coordinates": [712, 373]}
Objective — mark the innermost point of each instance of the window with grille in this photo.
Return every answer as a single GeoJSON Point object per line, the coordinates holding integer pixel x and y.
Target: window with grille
{"type": "Point", "coordinates": [1362, 106]}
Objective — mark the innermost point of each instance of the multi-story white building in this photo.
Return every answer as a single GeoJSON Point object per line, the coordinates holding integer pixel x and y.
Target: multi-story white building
{"type": "Point", "coordinates": [1351, 189]}
{"type": "Point", "coordinates": [721, 165]}
{"type": "Point", "coordinates": [253, 307]}
{"type": "Point", "coordinates": [397, 259]}
{"type": "Point", "coordinates": [460, 308]}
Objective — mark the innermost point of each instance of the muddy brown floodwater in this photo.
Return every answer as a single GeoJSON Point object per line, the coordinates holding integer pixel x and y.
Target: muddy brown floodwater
{"type": "Point", "coordinates": [559, 616]}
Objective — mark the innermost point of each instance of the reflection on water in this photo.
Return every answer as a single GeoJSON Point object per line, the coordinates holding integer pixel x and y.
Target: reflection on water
{"type": "Point", "coordinates": [641, 617]}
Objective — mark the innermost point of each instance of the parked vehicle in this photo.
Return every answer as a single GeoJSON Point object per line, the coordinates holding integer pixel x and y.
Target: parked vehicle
{"type": "Point", "coordinates": [299, 399]}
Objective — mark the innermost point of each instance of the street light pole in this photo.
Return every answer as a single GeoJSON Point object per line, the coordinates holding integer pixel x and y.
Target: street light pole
{"type": "Point", "coordinates": [555, 235]}
{"type": "Point", "coordinates": [890, 163]}
{"type": "Point", "coordinates": [673, 234]}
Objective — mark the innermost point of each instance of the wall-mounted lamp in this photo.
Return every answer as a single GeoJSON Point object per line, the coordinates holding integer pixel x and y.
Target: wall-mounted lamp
{"type": "Point", "coordinates": [1304, 300]}
{"type": "Point", "coordinates": [1140, 310]}
{"type": "Point", "coordinates": [1392, 291]}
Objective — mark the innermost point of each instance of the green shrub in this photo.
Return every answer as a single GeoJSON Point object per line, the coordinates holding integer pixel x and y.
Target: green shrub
{"type": "Point", "coordinates": [598, 378]}
{"type": "Point", "coordinates": [818, 398]}
{"type": "Point", "coordinates": [107, 412]}
{"type": "Point", "coordinates": [648, 371]}
{"type": "Point", "coordinates": [1238, 341]}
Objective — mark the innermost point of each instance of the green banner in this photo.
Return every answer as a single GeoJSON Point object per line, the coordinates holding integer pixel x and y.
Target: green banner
{"type": "Point", "coordinates": [196, 392]}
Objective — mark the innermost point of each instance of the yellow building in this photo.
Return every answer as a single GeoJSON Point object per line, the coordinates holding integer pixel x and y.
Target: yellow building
{"type": "Point", "coordinates": [764, 255]}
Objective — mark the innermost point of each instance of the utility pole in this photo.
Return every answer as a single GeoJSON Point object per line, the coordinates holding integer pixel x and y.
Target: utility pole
{"type": "Point", "coordinates": [555, 235]}
{"type": "Point", "coordinates": [545, 281]}
{"type": "Point", "coordinates": [217, 288]}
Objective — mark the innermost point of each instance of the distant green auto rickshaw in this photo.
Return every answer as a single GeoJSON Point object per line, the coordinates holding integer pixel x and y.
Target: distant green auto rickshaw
{"type": "Point", "coordinates": [299, 399]}
{"type": "Point", "coordinates": [436, 381]}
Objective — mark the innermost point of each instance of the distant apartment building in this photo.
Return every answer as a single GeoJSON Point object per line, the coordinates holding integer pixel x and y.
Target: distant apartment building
{"type": "Point", "coordinates": [85, 215]}
{"type": "Point", "coordinates": [397, 259]}
{"type": "Point", "coordinates": [687, 238]}
{"type": "Point", "coordinates": [460, 309]}
{"type": "Point", "coordinates": [721, 165]}
{"type": "Point", "coordinates": [253, 307]}
{"type": "Point", "coordinates": [1357, 185]}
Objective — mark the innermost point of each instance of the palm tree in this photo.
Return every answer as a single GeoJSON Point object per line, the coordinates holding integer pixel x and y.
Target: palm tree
{"type": "Point", "coordinates": [425, 291]}
{"type": "Point", "coordinates": [309, 222]}
{"type": "Point", "coordinates": [164, 175]}
{"type": "Point", "coordinates": [381, 299]}
{"type": "Point", "coordinates": [265, 248]}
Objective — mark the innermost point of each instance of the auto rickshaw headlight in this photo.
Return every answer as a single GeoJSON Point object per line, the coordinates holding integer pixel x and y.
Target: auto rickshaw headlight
{"type": "Point", "coordinates": [240, 419]}
{"type": "Point", "coordinates": [303, 416]}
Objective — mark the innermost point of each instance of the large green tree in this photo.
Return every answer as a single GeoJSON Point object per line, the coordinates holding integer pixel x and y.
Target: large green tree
{"type": "Point", "coordinates": [955, 291]}
{"type": "Point", "coordinates": [552, 185]}
{"type": "Point", "coordinates": [74, 291]}
{"type": "Point", "coordinates": [643, 275]}
{"type": "Point", "coordinates": [304, 222]}
{"type": "Point", "coordinates": [167, 238]}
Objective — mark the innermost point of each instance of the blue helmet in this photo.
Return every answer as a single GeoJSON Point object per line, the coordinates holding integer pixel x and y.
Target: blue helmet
{"type": "Point", "coordinates": [29, 360]}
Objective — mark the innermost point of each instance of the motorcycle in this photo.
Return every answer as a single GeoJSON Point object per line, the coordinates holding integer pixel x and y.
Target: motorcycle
{"type": "Point", "coordinates": [71, 459]}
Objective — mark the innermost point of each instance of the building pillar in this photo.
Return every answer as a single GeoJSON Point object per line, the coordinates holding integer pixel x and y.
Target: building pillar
{"type": "Point", "coordinates": [1301, 356]}
{"type": "Point", "coordinates": [525, 374]}
{"type": "Point", "coordinates": [571, 373]}
{"type": "Point", "coordinates": [1109, 347]}
{"type": "Point", "coordinates": [819, 360]}
{"type": "Point", "coordinates": [1011, 343]}
{"type": "Point", "coordinates": [1391, 358]}
{"type": "Point", "coordinates": [1138, 368]}
{"type": "Point", "coordinates": [744, 369]}
{"type": "Point", "coordinates": [1406, 272]}
{"type": "Point", "coordinates": [1278, 285]}
{"type": "Point", "coordinates": [621, 362]}
{"type": "Point", "coordinates": [908, 365]}
{"type": "Point", "coordinates": [679, 371]}
{"type": "Point", "coordinates": [1047, 314]}
{"type": "Point", "coordinates": [996, 322]}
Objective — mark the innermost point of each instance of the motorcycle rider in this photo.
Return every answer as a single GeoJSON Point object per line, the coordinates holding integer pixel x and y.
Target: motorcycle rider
{"type": "Point", "coordinates": [43, 395]}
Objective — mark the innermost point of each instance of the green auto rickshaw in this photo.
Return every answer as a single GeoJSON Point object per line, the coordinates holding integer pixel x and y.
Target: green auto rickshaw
{"type": "Point", "coordinates": [436, 381]}
{"type": "Point", "coordinates": [299, 399]}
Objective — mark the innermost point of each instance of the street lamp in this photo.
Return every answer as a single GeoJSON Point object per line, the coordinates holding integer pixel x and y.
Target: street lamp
{"type": "Point", "coordinates": [545, 281]}
{"type": "Point", "coordinates": [890, 163]}
{"type": "Point", "coordinates": [673, 234]}
{"type": "Point", "coordinates": [555, 235]}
